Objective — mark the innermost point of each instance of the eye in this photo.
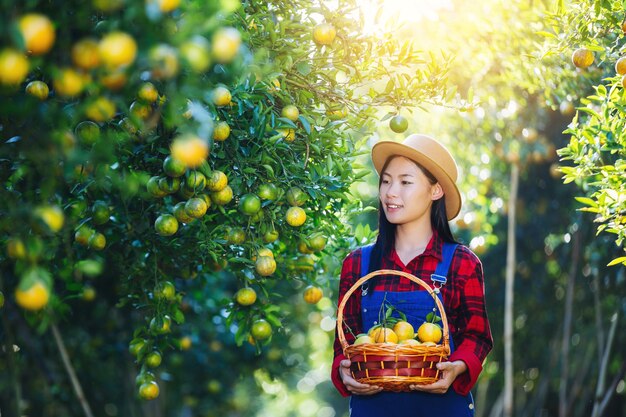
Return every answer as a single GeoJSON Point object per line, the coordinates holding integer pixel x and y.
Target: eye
{"type": "Point", "coordinates": [384, 181]}
{"type": "Point", "coordinates": [406, 182]}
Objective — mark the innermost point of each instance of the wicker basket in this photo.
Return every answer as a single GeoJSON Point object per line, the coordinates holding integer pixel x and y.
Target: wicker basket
{"type": "Point", "coordinates": [394, 367]}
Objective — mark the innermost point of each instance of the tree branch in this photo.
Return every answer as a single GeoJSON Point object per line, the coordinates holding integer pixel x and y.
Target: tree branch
{"type": "Point", "coordinates": [78, 390]}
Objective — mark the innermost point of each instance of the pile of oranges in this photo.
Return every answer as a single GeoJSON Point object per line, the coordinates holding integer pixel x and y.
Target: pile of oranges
{"type": "Point", "coordinates": [403, 333]}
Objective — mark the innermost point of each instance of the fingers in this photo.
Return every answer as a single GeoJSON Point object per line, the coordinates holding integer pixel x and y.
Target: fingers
{"type": "Point", "coordinates": [353, 385]}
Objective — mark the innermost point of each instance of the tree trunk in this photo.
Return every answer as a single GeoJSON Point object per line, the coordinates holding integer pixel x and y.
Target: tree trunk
{"type": "Point", "coordinates": [508, 296]}
{"type": "Point", "coordinates": [567, 326]}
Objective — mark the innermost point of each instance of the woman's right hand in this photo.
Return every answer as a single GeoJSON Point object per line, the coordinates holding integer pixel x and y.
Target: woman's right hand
{"type": "Point", "coordinates": [351, 384]}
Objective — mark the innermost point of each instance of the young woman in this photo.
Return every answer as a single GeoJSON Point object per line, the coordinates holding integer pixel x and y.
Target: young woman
{"type": "Point", "coordinates": [417, 196]}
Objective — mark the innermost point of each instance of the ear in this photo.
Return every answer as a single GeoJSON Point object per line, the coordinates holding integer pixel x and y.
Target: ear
{"type": "Point", "coordinates": [436, 192]}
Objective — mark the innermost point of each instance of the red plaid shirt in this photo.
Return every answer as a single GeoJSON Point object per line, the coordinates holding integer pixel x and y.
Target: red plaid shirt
{"type": "Point", "coordinates": [463, 300]}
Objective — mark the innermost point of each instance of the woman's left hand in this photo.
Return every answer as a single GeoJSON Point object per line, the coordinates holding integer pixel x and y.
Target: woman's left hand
{"type": "Point", "coordinates": [449, 372]}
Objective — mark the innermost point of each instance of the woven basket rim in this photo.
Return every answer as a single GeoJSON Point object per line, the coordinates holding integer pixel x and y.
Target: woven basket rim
{"type": "Point", "coordinates": [444, 347]}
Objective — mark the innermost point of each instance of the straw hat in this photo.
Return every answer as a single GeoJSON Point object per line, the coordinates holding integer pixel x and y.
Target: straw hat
{"type": "Point", "coordinates": [431, 155]}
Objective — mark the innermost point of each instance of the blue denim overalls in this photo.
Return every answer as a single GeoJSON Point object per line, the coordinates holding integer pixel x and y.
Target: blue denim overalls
{"type": "Point", "coordinates": [416, 305]}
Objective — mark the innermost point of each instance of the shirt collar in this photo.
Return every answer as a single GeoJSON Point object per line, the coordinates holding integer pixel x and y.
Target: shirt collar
{"type": "Point", "coordinates": [433, 249]}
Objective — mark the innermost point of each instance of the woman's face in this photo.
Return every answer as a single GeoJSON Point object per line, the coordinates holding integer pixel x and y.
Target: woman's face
{"type": "Point", "coordinates": [406, 194]}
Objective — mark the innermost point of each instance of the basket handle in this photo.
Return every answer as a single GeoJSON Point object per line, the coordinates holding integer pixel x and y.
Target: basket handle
{"type": "Point", "coordinates": [365, 278]}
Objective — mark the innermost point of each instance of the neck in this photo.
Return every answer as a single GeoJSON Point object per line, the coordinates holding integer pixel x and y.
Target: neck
{"type": "Point", "coordinates": [413, 237]}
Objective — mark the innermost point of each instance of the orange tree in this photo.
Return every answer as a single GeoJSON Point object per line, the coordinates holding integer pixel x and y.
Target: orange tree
{"type": "Point", "coordinates": [171, 170]}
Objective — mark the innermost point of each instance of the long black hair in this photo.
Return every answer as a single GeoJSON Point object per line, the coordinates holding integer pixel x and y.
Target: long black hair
{"type": "Point", "coordinates": [387, 231]}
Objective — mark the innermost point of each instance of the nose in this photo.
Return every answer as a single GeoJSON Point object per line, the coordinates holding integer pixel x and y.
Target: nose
{"type": "Point", "coordinates": [391, 190]}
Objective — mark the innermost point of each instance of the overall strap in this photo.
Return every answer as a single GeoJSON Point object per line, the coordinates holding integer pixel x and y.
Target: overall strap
{"type": "Point", "coordinates": [440, 276]}
{"type": "Point", "coordinates": [366, 252]}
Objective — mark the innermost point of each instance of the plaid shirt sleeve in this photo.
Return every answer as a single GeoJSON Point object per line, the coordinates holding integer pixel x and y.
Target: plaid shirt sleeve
{"type": "Point", "coordinates": [351, 313]}
{"type": "Point", "coordinates": [463, 299]}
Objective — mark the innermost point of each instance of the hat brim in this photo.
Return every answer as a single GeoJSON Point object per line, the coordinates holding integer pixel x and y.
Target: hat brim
{"type": "Point", "coordinates": [382, 151]}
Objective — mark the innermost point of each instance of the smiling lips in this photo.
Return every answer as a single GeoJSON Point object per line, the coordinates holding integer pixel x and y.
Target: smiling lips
{"type": "Point", "coordinates": [393, 207]}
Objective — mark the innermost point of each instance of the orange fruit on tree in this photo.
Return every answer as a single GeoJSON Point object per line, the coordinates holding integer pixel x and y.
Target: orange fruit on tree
{"type": "Point", "coordinates": [173, 167]}
{"type": "Point", "coordinates": [289, 135]}
{"type": "Point", "coordinates": [154, 189]}
{"type": "Point", "coordinates": [148, 93]}
{"type": "Point", "coordinates": [97, 241]}
{"type": "Point", "coordinates": [246, 296]}
{"type": "Point", "coordinates": [249, 204]}
{"type": "Point", "coordinates": [164, 61]}
{"type": "Point", "coordinates": [153, 359]}
{"type": "Point", "coordinates": [167, 6]}
{"type": "Point", "coordinates": [399, 124]}
{"type": "Point", "coordinates": [89, 293]}
{"type": "Point", "coordinates": [324, 34]}
{"type": "Point", "coordinates": [114, 79]}
{"type": "Point", "coordinates": [222, 197]}
{"type": "Point", "coordinates": [196, 181]}
{"type": "Point", "coordinates": [270, 236]}
{"type": "Point", "coordinates": [15, 248]}
{"type": "Point", "coordinates": [290, 112]}
{"type": "Point", "coordinates": [68, 82]}
{"type": "Point", "coordinates": [149, 390]}
{"type": "Point", "coordinates": [85, 54]}
{"type": "Point", "coordinates": [582, 58]}
{"type": "Point", "coordinates": [185, 343]}
{"type": "Point", "coordinates": [196, 207]}
{"type": "Point", "coordinates": [262, 252]}
{"type": "Point", "coordinates": [38, 89]}
{"type": "Point", "coordinates": [13, 67]}
{"type": "Point", "coordinates": [217, 181]}
{"type": "Point", "coordinates": [267, 191]}
{"type": "Point", "coordinates": [83, 234]}
{"type": "Point", "coordinates": [404, 330]}
{"type": "Point", "coordinates": [221, 132]}
{"type": "Point", "coordinates": [181, 214]}
{"type": "Point", "coordinates": [383, 335]}
{"type": "Point", "coordinates": [101, 109]}
{"type": "Point", "coordinates": [312, 294]}
{"type": "Point", "coordinates": [165, 290]}
{"type": "Point", "coordinates": [261, 329]}
{"type": "Point", "coordinates": [316, 242]}
{"type": "Point", "coordinates": [265, 265]}
{"type": "Point", "coordinates": [303, 247]}
{"type": "Point", "coordinates": [117, 49]}
{"type": "Point", "coordinates": [296, 197]}
{"type": "Point", "coordinates": [236, 235]}
{"type": "Point", "coordinates": [295, 216]}
{"type": "Point", "coordinates": [196, 53]}
{"type": "Point", "coordinates": [140, 110]}
{"type": "Point", "coordinates": [620, 66]}
{"type": "Point", "coordinates": [225, 45]}
{"type": "Point", "coordinates": [34, 297]}
{"type": "Point", "coordinates": [38, 33]}
{"type": "Point", "coordinates": [50, 215]}
{"type": "Point", "coordinates": [429, 332]}
{"type": "Point", "coordinates": [166, 225]}
{"type": "Point", "coordinates": [161, 325]}
{"type": "Point", "coordinates": [190, 149]}
{"type": "Point", "coordinates": [221, 96]}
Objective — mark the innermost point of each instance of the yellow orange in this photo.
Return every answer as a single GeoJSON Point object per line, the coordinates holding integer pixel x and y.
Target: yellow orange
{"type": "Point", "coordinates": [117, 49]}
{"type": "Point", "coordinates": [38, 33]}
{"type": "Point", "coordinates": [13, 67]}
